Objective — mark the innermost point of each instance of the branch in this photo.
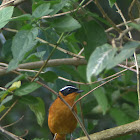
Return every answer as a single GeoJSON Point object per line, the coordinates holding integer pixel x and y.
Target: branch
{"type": "Point", "coordinates": [10, 134]}
{"type": "Point", "coordinates": [11, 2]}
{"type": "Point", "coordinates": [13, 122]}
{"type": "Point", "coordinates": [121, 24]}
{"type": "Point", "coordinates": [68, 12]}
{"type": "Point", "coordinates": [124, 20]}
{"type": "Point", "coordinates": [106, 16]}
{"type": "Point", "coordinates": [59, 48]}
{"type": "Point", "coordinates": [130, 10]}
{"type": "Point", "coordinates": [130, 128]}
{"type": "Point", "coordinates": [124, 33]}
{"type": "Point", "coordinates": [50, 44]}
{"type": "Point", "coordinates": [51, 63]}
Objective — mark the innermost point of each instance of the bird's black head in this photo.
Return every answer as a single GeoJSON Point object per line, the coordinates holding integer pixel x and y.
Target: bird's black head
{"type": "Point", "coordinates": [69, 89]}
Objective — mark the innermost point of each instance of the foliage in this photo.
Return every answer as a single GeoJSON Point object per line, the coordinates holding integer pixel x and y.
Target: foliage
{"type": "Point", "coordinates": [44, 34]}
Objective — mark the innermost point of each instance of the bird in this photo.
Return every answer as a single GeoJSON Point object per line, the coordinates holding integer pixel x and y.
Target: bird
{"type": "Point", "coordinates": [61, 121]}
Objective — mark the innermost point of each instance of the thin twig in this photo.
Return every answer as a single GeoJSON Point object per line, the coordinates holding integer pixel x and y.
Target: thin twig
{"type": "Point", "coordinates": [50, 44]}
{"type": "Point", "coordinates": [3, 88]}
{"type": "Point", "coordinates": [138, 6]}
{"type": "Point", "coordinates": [81, 51]}
{"type": "Point", "coordinates": [121, 24]}
{"type": "Point", "coordinates": [113, 75]}
{"type": "Point", "coordinates": [7, 3]}
{"type": "Point", "coordinates": [10, 134]}
{"type": "Point", "coordinates": [128, 68]}
{"type": "Point", "coordinates": [50, 55]}
{"type": "Point", "coordinates": [81, 109]}
{"type": "Point", "coordinates": [26, 133]}
{"type": "Point", "coordinates": [10, 30]}
{"type": "Point", "coordinates": [94, 89]}
{"type": "Point", "coordinates": [124, 20]}
{"type": "Point", "coordinates": [9, 109]}
{"type": "Point", "coordinates": [138, 80]}
{"type": "Point", "coordinates": [124, 33]}
{"type": "Point", "coordinates": [13, 122]}
{"type": "Point", "coordinates": [130, 10]}
{"type": "Point", "coordinates": [106, 16]}
{"type": "Point", "coordinates": [11, 2]}
{"type": "Point", "coordinates": [27, 70]}
{"type": "Point", "coordinates": [21, 10]}
{"type": "Point", "coordinates": [59, 48]}
{"type": "Point", "coordinates": [136, 63]}
{"type": "Point", "coordinates": [68, 12]}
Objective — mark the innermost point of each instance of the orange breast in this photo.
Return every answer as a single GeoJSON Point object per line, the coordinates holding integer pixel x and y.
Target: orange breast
{"type": "Point", "coordinates": [60, 119]}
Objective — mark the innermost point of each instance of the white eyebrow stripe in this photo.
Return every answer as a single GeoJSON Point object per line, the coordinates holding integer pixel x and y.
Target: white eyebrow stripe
{"type": "Point", "coordinates": [67, 87]}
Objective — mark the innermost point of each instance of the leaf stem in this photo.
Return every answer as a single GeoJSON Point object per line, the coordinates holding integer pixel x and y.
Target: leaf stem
{"type": "Point", "coordinates": [52, 52]}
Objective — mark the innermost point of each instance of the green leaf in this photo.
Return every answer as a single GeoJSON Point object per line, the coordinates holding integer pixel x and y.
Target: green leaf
{"type": "Point", "coordinates": [57, 7]}
{"type": "Point", "coordinates": [26, 27]}
{"type": "Point", "coordinates": [115, 95]}
{"type": "Point", "coordinates": [127, 78]}
{"type": "Point", "coordinates": [100, 96]}
{"type": "Point", "coordinates": [102, 99]}
{"type": "Point", "coordinates": [42, 10]}
{"type": "Point", "coordinates": [22, 17]}
{"type": "Point", "coordinates": [35, 57]}
{"type": "Point", "coordinates": [111, 2]}
{"type": "Point", "coordinates": [49, 76]}
{"type": "Point", "coordinates": [90, 36]}
{"type": "Point", "coordinates": [7, 99]}
{"type": "Point", "coordinates": [130, 111]}
{"type": "Point", "coordinates": [66, 24]}
{"type": "Point", "coordinates": [3, 93]}
{"type": "Point", "coordinates": [120, 116]}
{"type": "Point", "coordinates": [99, 59]}
{"type": "Point", "coordinates": [28, 100]}
{"type": "Point", "coordinates": [96, 16]}
{"type": "Point", "coordinates": [6, 50]}
{"type": "Point", "coordinates": [27, 88]}
{"type": "Point", "coordinates": [134, 25]}
{"type": "Point", "coordinates": [72, 72]}
{"type": "Point", "coordinates": [125, 53]}
{"type": "Point", "coordinates": [82, 72]}
{"type": "Point", "coordinates": [2, 108]}
{"type": "Point", "coordinates": [36, 3]}
{"type": "Point", "coordinates": [131, 97]}
{"type": "Point", "coordinates": [5, 15]}
{"type": "Point", "coordinates": [39, 110]}
{"type": "Point", "coordinates": [22, 43]}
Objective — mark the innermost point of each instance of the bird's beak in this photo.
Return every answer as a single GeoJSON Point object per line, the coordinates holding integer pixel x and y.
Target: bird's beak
{"type": "Point", "coordinates": [79, 91]}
